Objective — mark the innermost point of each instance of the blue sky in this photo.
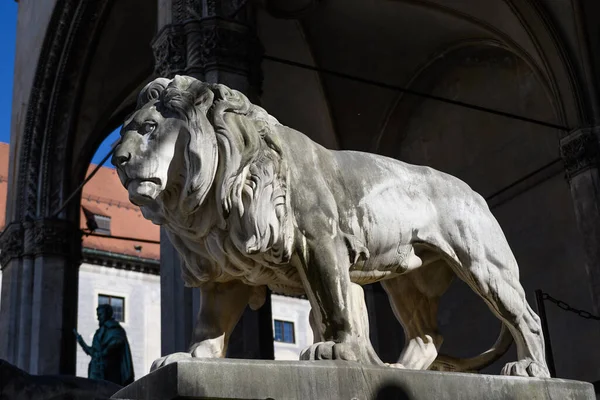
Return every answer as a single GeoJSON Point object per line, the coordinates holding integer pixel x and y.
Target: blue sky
{"type": "Point", "coordinates": [8, 30]}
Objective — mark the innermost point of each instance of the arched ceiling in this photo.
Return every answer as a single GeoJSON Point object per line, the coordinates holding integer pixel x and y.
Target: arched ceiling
{"type": "Point", "coordinates": [121, 63]}
{"type": "Point", "coordinates": [394, 41]}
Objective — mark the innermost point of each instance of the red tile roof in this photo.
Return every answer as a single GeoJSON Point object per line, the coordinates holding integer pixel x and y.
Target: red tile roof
{"type": "Point", "coordinates": [103, 195]}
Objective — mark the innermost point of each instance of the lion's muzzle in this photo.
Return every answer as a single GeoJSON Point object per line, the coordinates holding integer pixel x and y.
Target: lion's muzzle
{"type": "Point", "coordinates": [143, 191]}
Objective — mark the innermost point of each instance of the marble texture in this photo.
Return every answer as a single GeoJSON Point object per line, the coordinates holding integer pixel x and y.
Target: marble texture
{"type": "Point", "coordinates": [250, 203]}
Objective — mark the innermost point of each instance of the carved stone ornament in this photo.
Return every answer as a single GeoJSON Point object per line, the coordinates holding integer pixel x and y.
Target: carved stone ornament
{"type": "Point", "coordinates": [45, 142]}
{"type": "Point", "coordinates": [199, 46]}
{"type": "Point", "coordinates": [250, 203]}
{"type": "Point", "coordinates": [11, 243]}
{"type": "Point", "coordinates": [40, 237]}
{"type": "Point", "coordinates": [183, 10]}
{"type": "Point", "coordinates": [580, 151]}
{"type": "Point", "coordinates": [56, 237]}
{"type": "Point", "coordinates": [169, 51]}
{"type": "Point", "coordinates": [216, 43]}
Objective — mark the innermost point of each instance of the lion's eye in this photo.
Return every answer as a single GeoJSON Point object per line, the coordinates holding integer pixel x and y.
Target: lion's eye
{"type": "Point", "coordinates": [147, 127]}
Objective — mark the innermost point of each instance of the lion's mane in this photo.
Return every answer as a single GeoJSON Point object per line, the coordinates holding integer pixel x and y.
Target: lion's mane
{"type": "Point", "coordinates": [249, 180]}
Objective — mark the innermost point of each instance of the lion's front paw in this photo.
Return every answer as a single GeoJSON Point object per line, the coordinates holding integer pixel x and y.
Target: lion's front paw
{"type": "Point", "coordinates": [526, 368]}
{"type": "Point", "coordinates": [170, 359]}
{"type": "Point", "coordinates": [210, 348]}
{"type": "Point", "coordinates": [348, 351]}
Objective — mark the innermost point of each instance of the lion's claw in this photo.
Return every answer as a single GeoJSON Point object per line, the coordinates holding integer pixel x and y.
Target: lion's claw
{"type": "Point", "coordinates": [348, 351]}
{"type": "Point", "coordinates": [526, 368]}
{"type": "Point", "coordinates": [170, 359]}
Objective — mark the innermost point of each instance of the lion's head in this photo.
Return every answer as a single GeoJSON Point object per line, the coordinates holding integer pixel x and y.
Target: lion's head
{"type": "Point", "coordinates": [189, 141]}
{"type": "Point", "coordinates": [169, 122]}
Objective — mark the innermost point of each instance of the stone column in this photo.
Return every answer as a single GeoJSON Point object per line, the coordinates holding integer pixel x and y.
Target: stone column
{"type": "Point", "coordinates": [214, 41]}
{"type": "Point", "coordinates": [41, 260]}
{"type": "Point", "coordinates": [11, 261]}
{"type": "Point", "coordinates": [176, 301]}
{"type": "Point", "coordinates": [580, 151]}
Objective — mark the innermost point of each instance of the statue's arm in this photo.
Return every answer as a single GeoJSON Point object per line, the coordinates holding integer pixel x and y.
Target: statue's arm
{"type": "Point", "coordinates": [87, 349]}
{"type": "Point", "coordinates": [221, 306]}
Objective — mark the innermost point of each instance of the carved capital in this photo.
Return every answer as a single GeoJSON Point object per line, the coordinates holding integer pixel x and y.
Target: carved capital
{"type": "Point", "coordinates": [580, 150]}
{"type": "Point", "coordinates": [215, 43]}
{"type": "Point", "coordinates": [40, 237]}
{"type": "Point", "coordinates": [55, 237]}
{"type": "Point", "coordinates": [183, 10]}
{"type": "Point", "coordinates": [11, 243]}
{"type": "Point", "coordinates": [169, 49]}
{"type": "Point", "coordinates": [202, 45]}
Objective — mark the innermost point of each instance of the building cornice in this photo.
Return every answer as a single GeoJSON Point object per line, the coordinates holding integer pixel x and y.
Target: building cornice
{"type": "Point", "coordinates": [120, 261]}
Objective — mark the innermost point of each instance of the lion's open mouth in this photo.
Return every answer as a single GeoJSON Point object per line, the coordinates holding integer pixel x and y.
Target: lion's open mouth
{"type": "Point", "coordinates": [128, 181]}
{"type": "Point", "coordinates": [143, 191]}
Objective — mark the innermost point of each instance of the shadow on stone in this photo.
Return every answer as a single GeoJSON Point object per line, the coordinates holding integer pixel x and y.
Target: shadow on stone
{"type": "Point", "coordinates": [18, 384]}
{"type": "Point", "coordinates": [391, 391]}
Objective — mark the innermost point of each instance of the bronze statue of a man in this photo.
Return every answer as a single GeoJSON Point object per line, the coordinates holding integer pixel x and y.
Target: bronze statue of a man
{"type": "Point", "coordinates": [111, 356]}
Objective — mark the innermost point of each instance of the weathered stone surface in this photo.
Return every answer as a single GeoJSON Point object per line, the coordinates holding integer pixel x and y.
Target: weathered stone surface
{"type": "Point", "coordinates": [16, 384]}
{"type": "Point", "coordinates": [279, 380]}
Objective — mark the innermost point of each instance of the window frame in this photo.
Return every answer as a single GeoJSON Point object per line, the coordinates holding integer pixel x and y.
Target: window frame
{"type": "Point", "coordinates": [103, 223]}
{"type": "Point", "coordinates": [283, 335]}
{"type": "Point", "coordinates": [110, 297]}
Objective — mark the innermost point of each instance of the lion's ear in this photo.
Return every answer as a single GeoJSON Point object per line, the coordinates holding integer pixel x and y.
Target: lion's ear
{"type": "Point", "coordinates": [152, 91]}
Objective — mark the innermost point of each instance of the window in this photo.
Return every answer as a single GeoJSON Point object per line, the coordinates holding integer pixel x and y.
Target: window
{"type": "Point", "coordinates": [103, 223]}
{"type": "Point", "coordinates": [117, 303]}
{"type": "Point", "coordinates": [284, 332]}
{"type": "Point", "coordinates": [96, 222]}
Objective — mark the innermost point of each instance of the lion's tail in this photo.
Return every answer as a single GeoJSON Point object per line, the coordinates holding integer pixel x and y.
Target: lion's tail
{"type": "Point", "coordinates": [473, 364]}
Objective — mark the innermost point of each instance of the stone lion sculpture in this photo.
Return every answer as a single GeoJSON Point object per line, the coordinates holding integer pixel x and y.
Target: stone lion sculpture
{"type": "Point", "coordinates": [250, 203]}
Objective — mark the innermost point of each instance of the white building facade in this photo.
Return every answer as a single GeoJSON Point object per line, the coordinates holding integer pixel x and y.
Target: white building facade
{"type": "Point", "coordinates": [139, 294]}
{"type": "Point", "coordinates": [290, 314]}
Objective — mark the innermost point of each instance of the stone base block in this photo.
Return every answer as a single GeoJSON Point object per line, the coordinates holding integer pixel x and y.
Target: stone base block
{"type": "Point", "coordinates": [308, 380]}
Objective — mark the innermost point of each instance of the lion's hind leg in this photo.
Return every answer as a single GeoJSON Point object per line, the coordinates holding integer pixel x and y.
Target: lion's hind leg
{"type": "Point", "coordinates": [498, 284]}
{"type": "Point", "coordinates": [414, 298]}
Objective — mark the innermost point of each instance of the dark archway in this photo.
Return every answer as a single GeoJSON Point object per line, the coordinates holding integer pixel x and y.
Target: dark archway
{"type": "Point", "coordinates": [92, 58]}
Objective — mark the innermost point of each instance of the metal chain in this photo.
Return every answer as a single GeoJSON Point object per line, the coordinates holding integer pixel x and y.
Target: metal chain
{"type": "Point", "coordinates": [564, 306]}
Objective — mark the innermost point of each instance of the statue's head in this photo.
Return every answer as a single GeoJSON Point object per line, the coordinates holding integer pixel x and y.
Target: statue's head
{"type": "Point", "coordinates": [104, 312]}
{"type": "Point", "coordinates": [168, 148]}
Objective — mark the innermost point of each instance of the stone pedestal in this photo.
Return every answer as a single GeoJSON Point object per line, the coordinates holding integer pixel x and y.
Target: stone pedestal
{"type": "Point", "coordinates": [279, 380]}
